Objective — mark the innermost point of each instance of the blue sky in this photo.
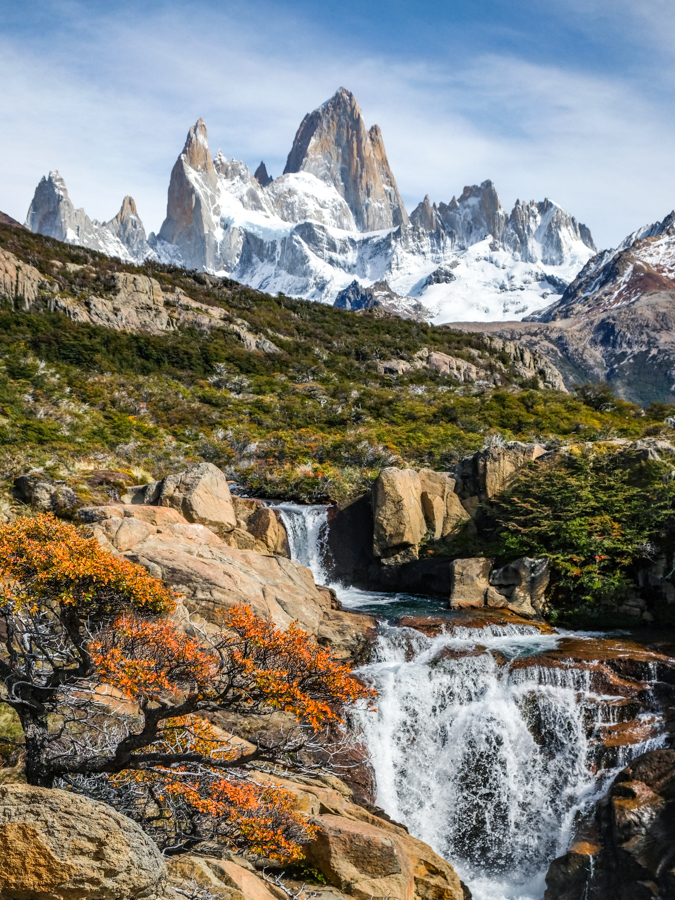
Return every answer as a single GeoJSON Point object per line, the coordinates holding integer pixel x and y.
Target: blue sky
{"type": "Point", "coordinates": [570, 99]}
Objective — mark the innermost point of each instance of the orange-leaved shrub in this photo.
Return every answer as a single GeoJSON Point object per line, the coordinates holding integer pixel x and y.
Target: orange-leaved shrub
{"type": "Point", "coordinates": [111, 695]}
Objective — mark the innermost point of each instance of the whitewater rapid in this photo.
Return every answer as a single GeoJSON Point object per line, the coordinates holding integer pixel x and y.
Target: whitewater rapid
{"type": "Point", "coordinates": [488, 760]}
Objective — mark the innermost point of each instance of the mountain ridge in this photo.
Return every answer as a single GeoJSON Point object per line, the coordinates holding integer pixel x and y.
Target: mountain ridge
{"type": "Point", "coordinates": [335, 216]}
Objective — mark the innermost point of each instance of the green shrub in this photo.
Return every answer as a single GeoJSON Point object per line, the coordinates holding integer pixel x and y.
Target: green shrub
{"type": "Point", "coordinates": [594, 514]}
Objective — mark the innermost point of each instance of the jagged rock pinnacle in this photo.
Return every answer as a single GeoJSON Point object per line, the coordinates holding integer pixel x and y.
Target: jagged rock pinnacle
{"type": "Point", "coordinates": [333, 144]}
{"type": "Point", "coordinates": [262, 176]}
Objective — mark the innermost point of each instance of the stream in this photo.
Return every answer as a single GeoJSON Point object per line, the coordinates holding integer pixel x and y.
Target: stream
{"type": "Point", "coordinates": [490, 740]}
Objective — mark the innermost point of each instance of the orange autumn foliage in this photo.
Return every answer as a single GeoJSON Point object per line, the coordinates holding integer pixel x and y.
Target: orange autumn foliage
{"type": "Point", "coordinates": [75, 619]}
{"type": "Point", "coordinates": [44, 561]}
{"type": "Point", "coordinates": [251, 663]}
{"type": "Point", "coordinates": [261, 818]}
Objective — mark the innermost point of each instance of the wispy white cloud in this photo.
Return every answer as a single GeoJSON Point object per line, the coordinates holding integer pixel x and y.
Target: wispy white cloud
{"type": "Point", "coordinates": [109, 105]}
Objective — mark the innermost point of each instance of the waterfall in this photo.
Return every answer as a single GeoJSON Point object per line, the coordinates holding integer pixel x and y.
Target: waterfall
{"type": "Point", "coordinates": [487, 758]}
{"type": "Point", "coordinates": [488, 763]}
{"type": "Point", "coordinates": [306, 529]}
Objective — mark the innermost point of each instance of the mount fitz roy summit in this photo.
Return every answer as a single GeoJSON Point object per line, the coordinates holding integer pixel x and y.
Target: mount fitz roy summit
{"type": "Point", "coordinates": [333, 228]}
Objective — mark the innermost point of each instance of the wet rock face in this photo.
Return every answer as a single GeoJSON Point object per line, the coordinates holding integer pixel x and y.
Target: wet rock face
{"type": "Point", "coordinates": [55, 845]}
{"type": "Point", "coordinates": [630, 850]}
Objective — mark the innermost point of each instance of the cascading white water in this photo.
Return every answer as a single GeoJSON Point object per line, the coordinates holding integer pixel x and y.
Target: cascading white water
{"type": "Point", "coordinates": [306, 529]}
{"type": "Point", "coordinates": [487, 760]}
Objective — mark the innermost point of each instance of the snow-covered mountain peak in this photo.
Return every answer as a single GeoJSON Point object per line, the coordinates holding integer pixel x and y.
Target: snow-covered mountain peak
{"type": "Point", "coordinates": [335, 220]}
{"type": "Point", "coordinates": [52, 213]}
{"type": "Point", "coordinates": [333, 144]}
{"type": "Point", "coordinates": [643, 263]}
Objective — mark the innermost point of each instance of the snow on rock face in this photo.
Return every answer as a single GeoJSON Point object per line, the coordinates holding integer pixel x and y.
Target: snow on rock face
{"type": "Point", "coordinates": [644, 263]}
{"type": "Point", "coordinates": [52, 213]}
{"type": "Point", "coordinates": [335, 217]}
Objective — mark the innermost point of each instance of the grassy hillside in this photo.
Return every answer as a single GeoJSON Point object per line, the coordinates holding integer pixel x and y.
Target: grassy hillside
{"type": "Point", "coordinates": [316, 421]}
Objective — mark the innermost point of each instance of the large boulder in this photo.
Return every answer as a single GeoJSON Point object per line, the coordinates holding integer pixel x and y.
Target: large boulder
{"type": "Point", "coordinates": [628, 849]}
{"type": "Point", "coordinates": [442, 507]}
{"type": "Point", "coordinates": [201, 494]}
{"type": "Point", "coordinates": [487, 473]}
{"type": "Point", "coordinates": [213, 577]}
{"type": "Point", "coordinates": [520, 586]}
{"type": "Point", "coordinates": [259, 528]}
{"type": "Point", "coordinates": [397, 509]}
{"type": "Point", "coordinates": [42, 495]}
{"type": "Point", "coordinates": [55, 845]}
{"type": "Point", "coordinates": [470, 581]}
{"type": "Point", "coordinates": [366, 855]}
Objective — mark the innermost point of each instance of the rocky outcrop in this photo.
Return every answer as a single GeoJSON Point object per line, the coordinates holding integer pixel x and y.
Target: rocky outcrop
{"type": "Point", "coordinates": [363, 853]}
{"type": "Point", "coordinates": [524, 364]}
{"type": "Point", "coordinates": [52, 213]}
{"type": "Point", "coordinates": [520, 586]}
{"type": "Point", "coordinates": [626, 851]}
{"type": "Point", "coordinates": [259, 528]}
{"type": "Point", "coordinates": [487, 473]}
{"type": "Point", "coordinates": [19, 282]}
{"type": "Point", "coordinates": [334, 145]}
{"type": "Point", "coordinates": [399, 519]}
{"type": "Point", "coordinates": [470, 582]}
{"type": "Point", "coordinates": [136, 303]}
{"type": "Point", "coordinates": [56, 845]}
{"type": "Point", "coordinates": [213, 576]}
{"type": "Point", "coordinates": [42, 495]}
{"type": "Point", "coordinates": [201, 494]}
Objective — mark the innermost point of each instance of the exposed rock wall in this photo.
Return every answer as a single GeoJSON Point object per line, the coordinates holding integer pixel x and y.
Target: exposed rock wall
{"type": "Point", "coordinates": [212, 576]}
{"type": "Point", "coordinates": [52, 213]}
{"type": "Point", "coordinates": [333, 144]}
{"type": "Point", "coordinates": [56, 845]}
{"type": "Point", "coordinates": [627, 851]}
{"type": "Point", "coordinates": [19, 282]}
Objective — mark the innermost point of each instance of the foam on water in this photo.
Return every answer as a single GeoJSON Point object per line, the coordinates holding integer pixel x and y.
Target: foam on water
{"type": "Point", "coordinates": [488, 763]}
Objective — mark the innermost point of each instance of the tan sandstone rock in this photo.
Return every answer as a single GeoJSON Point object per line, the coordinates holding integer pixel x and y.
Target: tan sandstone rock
{"type": "Point", "coordinates": [58, 846]}
{"type": "Point", "coordinates": [362, 854]}
{"type": "Point", "coordinates": [442, 507]}
{"type": "Point", "coordinates": [489, 472]}
{"type": "Point", "coordinates": [470, 581]}
{"type": "Point", "coordinates": [397, 509]}
{"type": "Point", "coordinates": [520, 586]}
{"type": "Point", "coordinates": [259, 528]}
{"type": "Point", "coordinates": [213, 577]}
{"type": "Point", "coordinates": [200, 494]}
{"type": "Point", "coordinates": [453, 366]}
